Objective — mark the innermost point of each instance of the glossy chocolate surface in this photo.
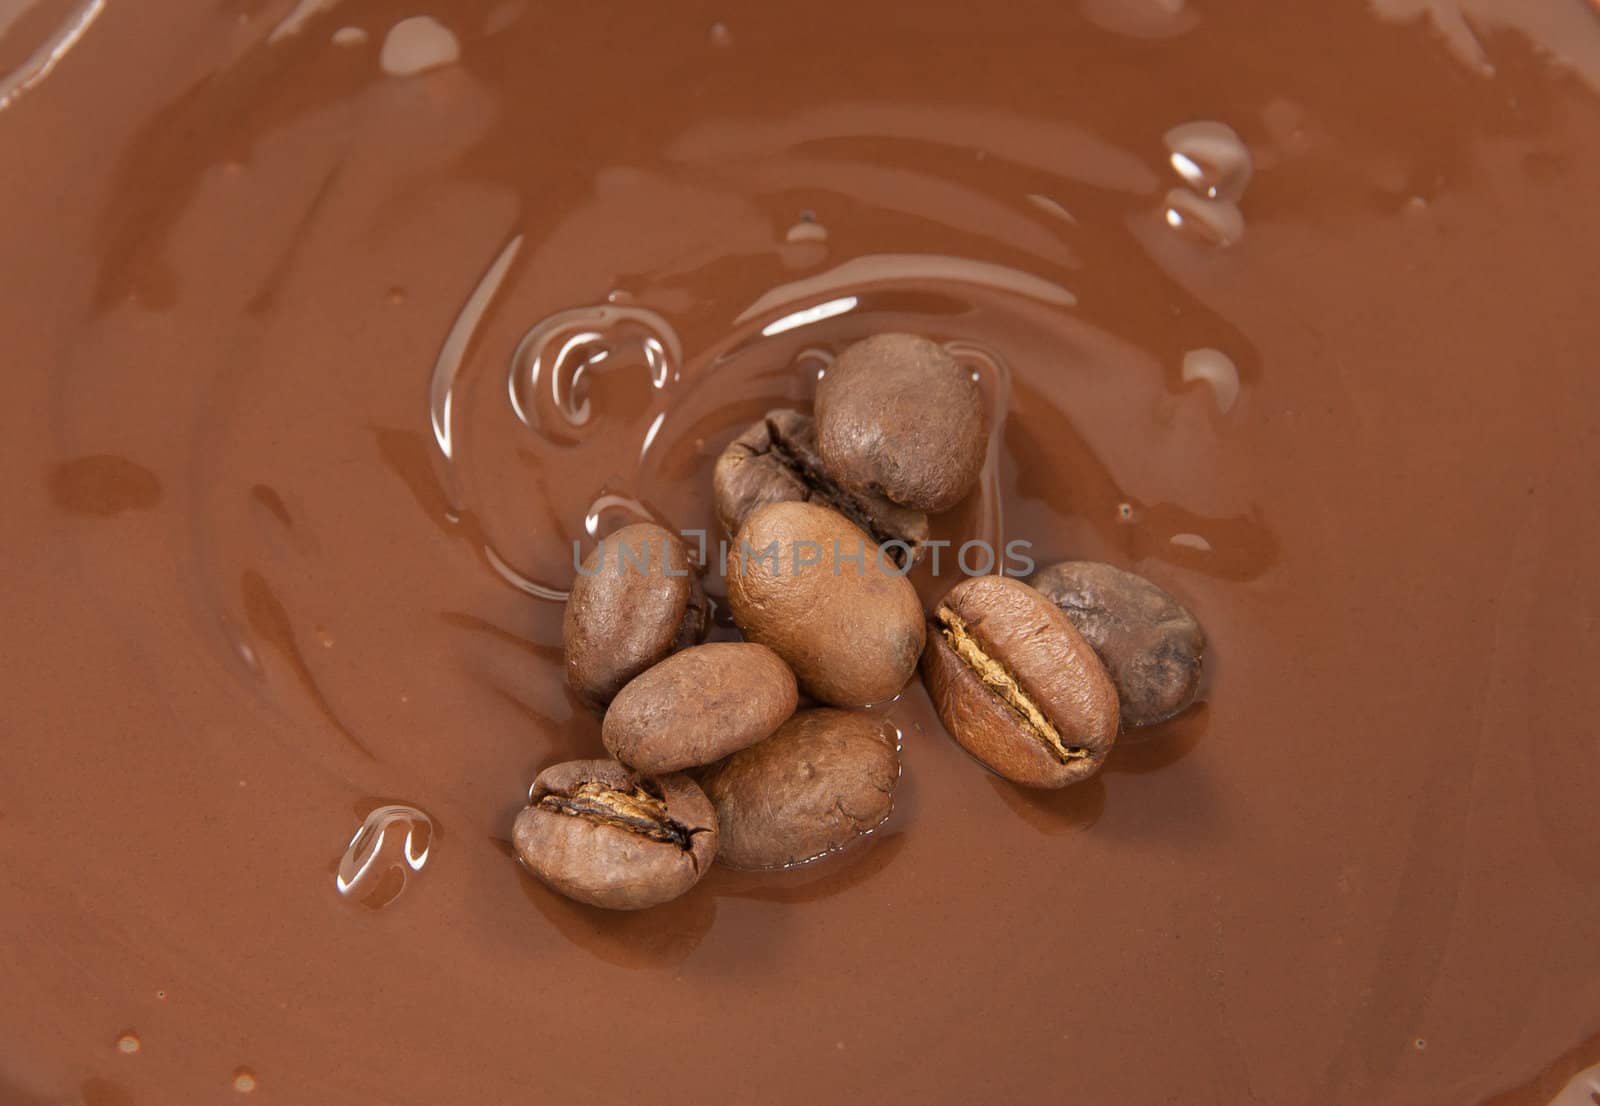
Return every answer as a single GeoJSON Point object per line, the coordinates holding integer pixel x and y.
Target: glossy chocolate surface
{"type": "Point", "coordinates": [1290, 308]}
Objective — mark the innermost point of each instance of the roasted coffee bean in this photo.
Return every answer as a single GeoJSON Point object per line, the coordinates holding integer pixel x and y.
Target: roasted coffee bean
{"type": "Point", "coordinates": [1017, 685]}
{"type": "Point", "coordinates": [776, 461]}
{"type": "Point", "coordinates": [604, 834]}
{"type": "Point", "coordinates": [1150, 644]}
{"type": "Point", "coordinates": [698, 706]}
{"type": "Point", "coordinates": [898, 416]}
{"type": "Point", "coordinates": [807, 582]}
{"type": "Point", "coordinates": [635, 600]}
{"type": "Point", "coordinates": [824, 779]}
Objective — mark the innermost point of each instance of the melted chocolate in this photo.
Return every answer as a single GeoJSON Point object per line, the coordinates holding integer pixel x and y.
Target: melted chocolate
{"type": "Point", "coordinates": [290, 511]}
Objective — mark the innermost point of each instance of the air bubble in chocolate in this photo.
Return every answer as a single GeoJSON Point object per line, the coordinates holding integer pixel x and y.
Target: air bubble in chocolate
{"type": "Point", "coordinates": [1219, 222]}
{"type": "Point", "coordinates": [1216, 165]}
{"type": "Point", "coordinates": [391, 847]}
{"type": "Point", "coordinates": [1211, 158]}
{"type": "Point", "coordinates": [1217, 370]}
{"type": "Point", "coordinates": [556, 361]}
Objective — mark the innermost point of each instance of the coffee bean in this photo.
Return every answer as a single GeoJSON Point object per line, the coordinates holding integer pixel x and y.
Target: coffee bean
{"type": "Point", "coordinates": [603, 834]}
{"type": "Point", "coordinates": [1152, 647]}
{"type": "Point", "coordinates": [898, 416]}
{"type": "Point", "coordinates": [805, 581]}
{"type": "Point", "coordinates": [1017, 685]}
{"type": "Point", "coordinates": [776, 461]}
{"type": "Point", "coordinates": [824, 779]}
{"type": "Point", "coordinates": [698, 706]}
{"type": "Point", "coordinates": [635, 600]}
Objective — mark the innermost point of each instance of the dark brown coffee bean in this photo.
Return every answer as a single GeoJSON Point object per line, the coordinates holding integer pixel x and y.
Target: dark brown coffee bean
{"type": "Point", "coordinates": [698, 706]}
{"type": "Point", "coordinates": [1150, 644]}
{"type": "Point", "coordinates": [635, 600]}
{"type": "Point", "coordinates": [898, 416]}
{"type": "Point", "coordinates": [776, 461]}
{"type": "Point", "coordinates": [824, 779]}
{"type": "Point", "coordinates": [805, 581]}
{"type": "Point", "coordinates": [1017, 685]}
{"type": "Point", "coordinates": [604, 834]}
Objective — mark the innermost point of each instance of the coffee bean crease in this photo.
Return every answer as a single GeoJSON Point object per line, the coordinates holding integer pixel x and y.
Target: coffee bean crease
{"type": "Point", "coordinates": [635, 810]}
{"type": "Point", "coordinates": [807, 467]}
{"type": "Point", "coordinates": [1005, 686]}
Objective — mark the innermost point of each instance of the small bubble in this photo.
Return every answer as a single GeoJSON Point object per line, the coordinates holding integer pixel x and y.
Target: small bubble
{"type": "Point", "coordinates": [1211, 158]}
{"type": "Point", "coordinates": [1420, 1043]}
{"type": "Point", "coordinates": [129, 1043]}
{"type": "Point", "coordinates": [1125, 512]}
{"type": "Point", "coordinates": [1218, 222]}
{"type": "Point", "coordinates": [720, 35]}
{"type": "Point", "coordinates": [392, 845]}
{"type": "Point", "coordinates": [1216, 369]}
{"type": "Point", "coordinates": [416, 45]}
{"type": "Point", "coordinates": [244, 1081]}
{"type": "Point", "coordinates": [161, 995]}
{"type": "Point", "coordinates": [554, 364]}
{"type": "Point", "coordinates": [823, 358]}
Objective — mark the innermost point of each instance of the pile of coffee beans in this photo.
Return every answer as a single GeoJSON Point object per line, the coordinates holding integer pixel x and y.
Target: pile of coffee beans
{"type": "Point", "coordinates": [753, 753]}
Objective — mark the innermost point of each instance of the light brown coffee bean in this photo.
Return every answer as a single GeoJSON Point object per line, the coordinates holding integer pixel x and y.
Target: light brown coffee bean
{"type": "Point", "coordinates": [603, 834]}
{"type": "Point", "coordinates": [805, 581]}
{"type": "Point", "coordinates": [698, 706]}
{"type": "Point", "coordinates": [776, 461]}
{"type": "Point", "coordinates": [1149, 642]}
{"type": "Point", "coordinates": [1017, 685]}
{"type": "Point", "coordinates": [635, 600]}
{"type": "Point", "coordinates": [898, 416]}
{"type": "Point", "coordinates": [822, 781]}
